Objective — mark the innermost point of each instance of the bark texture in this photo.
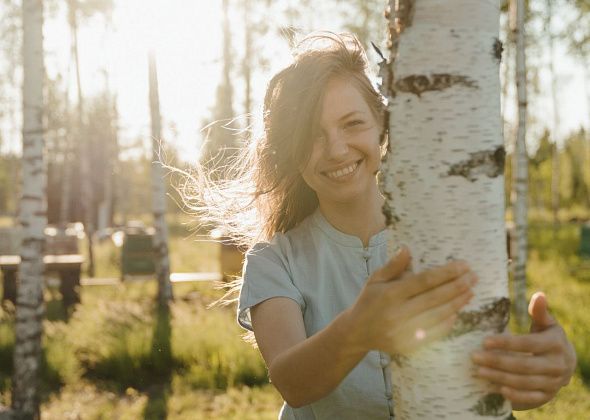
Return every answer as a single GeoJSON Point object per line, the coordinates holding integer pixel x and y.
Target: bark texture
{"type": "Point", "coordinates": [33, 219]}
{"type": "Point", "coordinates": [520, 173]}
{"type": "Point", "coordinates": [159, 192]}
{"type": "Point", "coordinates": [443, 182]}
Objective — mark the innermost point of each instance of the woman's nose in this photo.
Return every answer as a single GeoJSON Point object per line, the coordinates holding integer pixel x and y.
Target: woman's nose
{"type": "Point", "coordinates": [336, 146]}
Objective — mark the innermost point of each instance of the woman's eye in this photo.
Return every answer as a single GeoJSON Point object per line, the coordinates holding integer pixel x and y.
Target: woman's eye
{"type": "Point", "coordinates": [353, 123]}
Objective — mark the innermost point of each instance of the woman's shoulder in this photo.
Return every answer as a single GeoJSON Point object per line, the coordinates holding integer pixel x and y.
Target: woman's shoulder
{"type": "Point", "coordinates": [284, 244]}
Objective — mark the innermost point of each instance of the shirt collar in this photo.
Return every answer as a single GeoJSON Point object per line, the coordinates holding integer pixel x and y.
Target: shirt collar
{"type": "Point", "coordinates": [344, 238]}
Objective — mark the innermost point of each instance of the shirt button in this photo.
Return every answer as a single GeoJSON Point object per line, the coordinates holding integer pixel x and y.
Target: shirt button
{"type": "Point", "coordinates": [366, 255]}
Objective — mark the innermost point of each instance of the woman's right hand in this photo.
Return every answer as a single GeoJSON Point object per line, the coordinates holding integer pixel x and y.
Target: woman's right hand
{"type": "Point", "coordinates": [398, 311]}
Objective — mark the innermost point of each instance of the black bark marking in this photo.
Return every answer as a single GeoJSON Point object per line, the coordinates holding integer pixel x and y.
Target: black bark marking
{"type": "Point", "coordinates": [31, 197]}
{"type": "Point", "coordinates": [405, 13]}
{"type": "Point", "coordinates": [492, 317]}
{"type": "Point", "coordinates": [489, 163]}
{"type": "Point", "coordinates": [399, 359]}
{"type": "Point", "coordinates": [418, 84]}
{"type": "Point", "coordinates": [489, 405]}
{"type": "Point", "coordinates": [386, 76]}
{"type": "Point", "coordinates": [497, 49]}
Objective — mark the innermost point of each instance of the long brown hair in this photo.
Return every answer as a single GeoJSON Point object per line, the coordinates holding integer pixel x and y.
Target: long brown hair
{"type": "Point", "coordinates": [265, 193]}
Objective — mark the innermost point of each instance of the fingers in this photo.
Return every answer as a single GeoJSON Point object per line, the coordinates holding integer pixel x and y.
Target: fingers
{"type": "Point", "coordinates": [394, 268]}
{"type": "Point", "coordinates": [445, 294]}
{"type": "Point", "coordinates": [537, 343]}
{"type": "Point", "coordinates": [428, 318]}
{"type": "Point", "coordinates": [525, 399]}
{"type": "Point", "coordinates": [429, 279]}
{"type": "Point", "coordinates": [520, 363]}
{"type": "Point", "coordinates": [548, 384]}
{"type": "Point", "coordinates": [539, 311]}
{"type": "Point", "coordinates": [420, 336]}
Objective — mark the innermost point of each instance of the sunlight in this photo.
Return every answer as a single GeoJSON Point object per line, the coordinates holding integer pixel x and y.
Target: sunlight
{"type": "Point", "coordinates": [186, 37]}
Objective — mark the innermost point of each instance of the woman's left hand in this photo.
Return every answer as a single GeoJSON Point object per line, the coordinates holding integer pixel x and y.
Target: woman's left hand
{"type": "Point", "coordinates": [528, 369]}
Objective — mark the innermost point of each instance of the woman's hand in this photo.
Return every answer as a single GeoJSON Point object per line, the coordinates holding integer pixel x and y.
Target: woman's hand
{"type": "Point", "coordinates": [529, 369]}
{"type": "Point", "coordinates": [397, 311]}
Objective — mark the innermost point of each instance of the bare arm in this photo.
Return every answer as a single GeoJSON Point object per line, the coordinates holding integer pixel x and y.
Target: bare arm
{"type": "Point", "coordinates": [293, 360]}
{"type": "Point", "coordinates": [386, 317]}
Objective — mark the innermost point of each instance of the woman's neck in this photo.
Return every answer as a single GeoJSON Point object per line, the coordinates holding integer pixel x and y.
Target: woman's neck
{"type": "Point", "coordinates": [360, 219]}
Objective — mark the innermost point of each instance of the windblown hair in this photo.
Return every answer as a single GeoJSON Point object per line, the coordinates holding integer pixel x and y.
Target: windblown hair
{"type": "Point", "coordinates": [263, 192]}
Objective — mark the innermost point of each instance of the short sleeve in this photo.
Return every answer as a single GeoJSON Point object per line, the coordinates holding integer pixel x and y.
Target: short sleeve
{"type": "Point", "coordinates": [266, 275]}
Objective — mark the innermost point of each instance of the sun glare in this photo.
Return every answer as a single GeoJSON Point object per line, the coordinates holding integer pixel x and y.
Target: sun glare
{"type": "Point", "coordinates": [186, 37]}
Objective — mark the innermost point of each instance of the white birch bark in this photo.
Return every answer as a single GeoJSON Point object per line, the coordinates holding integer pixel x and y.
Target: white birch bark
{"type": "Point", "coordinates": [520, 173]}
{"type": "Point", "coordinates": [158, 192]}
{"type": "Point", "coordinates": [33, 219]}
{"type": "Point", "coordinates": [444, 188]}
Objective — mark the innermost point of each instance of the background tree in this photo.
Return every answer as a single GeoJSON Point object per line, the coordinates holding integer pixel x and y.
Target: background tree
{"type": "Point", "coordinates": [555, 172]}
{"type": "Point", "coordinates": [85, 9]}
{"type": "Point", "coordinates": [220, 138]}
{"type": "Point", "coordinates": [160, 239]}
{"type": "Point", "coordinates": [33, 219]}
{"type": "Point", "coordinates": [444, 188]}
{"type": "Point", "coordinates": [520, 173]}
{"type": "Point", "coordinates": [365, 19]}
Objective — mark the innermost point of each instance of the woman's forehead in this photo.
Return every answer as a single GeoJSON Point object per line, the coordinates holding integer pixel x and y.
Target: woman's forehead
{"type": "Point", "coordinates": [342, 99]}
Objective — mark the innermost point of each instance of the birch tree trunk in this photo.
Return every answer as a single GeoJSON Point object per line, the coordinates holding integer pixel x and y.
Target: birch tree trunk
{"type": "Point", "coordinates": [33, 219]}
{"type": "Point", "coordinates": [87, 194]}
{"type": "Point", "coordinates": [520, 173]}
{"type": "Point", "coordinates": [555, 167]}
{"type": "Point", "coordinates": [159, 193]}
{"type": "Point", "coordinates": [66, 186]}
{"type": "Point", "coordinates": [247, 63]}
{"type": "Point", "coordinates": [444, 188]}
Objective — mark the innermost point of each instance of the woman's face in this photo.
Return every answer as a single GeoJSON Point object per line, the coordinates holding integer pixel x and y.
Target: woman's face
{"type": "Point", "coordinates": [346, 156]}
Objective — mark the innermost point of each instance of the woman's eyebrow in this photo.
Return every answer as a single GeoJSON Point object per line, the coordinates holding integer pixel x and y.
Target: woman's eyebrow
{"type": "Point", "coordinates": [350, 114]}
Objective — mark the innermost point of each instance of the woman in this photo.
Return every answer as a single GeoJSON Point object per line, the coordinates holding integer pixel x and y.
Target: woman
{"type": "Point", "coordinates": [325, 304]}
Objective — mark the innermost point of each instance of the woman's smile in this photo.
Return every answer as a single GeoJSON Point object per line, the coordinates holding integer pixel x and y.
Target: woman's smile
{"type": "Point", "coordinates": [343, 173]}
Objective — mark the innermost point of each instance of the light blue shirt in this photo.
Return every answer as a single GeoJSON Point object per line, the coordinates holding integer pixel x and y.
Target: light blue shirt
{"type": "Point", "coordinates": [323, 270]}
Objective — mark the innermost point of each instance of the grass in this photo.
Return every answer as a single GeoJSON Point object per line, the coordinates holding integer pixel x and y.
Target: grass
{"type": "Point", "coordinates": [118, 357]}
{"type": "Point", "coordinates": [555, 268]}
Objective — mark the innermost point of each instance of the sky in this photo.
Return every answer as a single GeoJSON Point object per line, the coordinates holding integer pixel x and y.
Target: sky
{"type": "Point", "coordinates": [187, 38]}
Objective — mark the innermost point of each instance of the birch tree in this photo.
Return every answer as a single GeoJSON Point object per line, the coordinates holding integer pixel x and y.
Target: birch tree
{"type": "Point", "coordinates": [221, 143]}
{"type": "Point", "coordinates": [444, 188]}
{"type": "Point", "coordinates": [85, 9]}
{"type": "Point", "coordinates": [158, 192]}
{"type": "Point", "coordinates": [555, 167]}
{"type": "Point", "coordinates": [520, 170]}
{"type": "Point", "coordinates": [33, 219]}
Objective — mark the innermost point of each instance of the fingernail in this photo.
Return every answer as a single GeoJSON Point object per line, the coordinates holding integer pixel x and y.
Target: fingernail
{"type": "Point", "coordinates": [473, 280]}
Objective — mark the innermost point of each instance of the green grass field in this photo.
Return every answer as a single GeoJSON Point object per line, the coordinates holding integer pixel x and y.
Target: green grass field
{"type": "Point", "coordinates": [117, 357]}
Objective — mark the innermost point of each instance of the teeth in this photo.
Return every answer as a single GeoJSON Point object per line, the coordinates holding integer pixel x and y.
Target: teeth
{"type": "Point", "coordinates": [341, 172]}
